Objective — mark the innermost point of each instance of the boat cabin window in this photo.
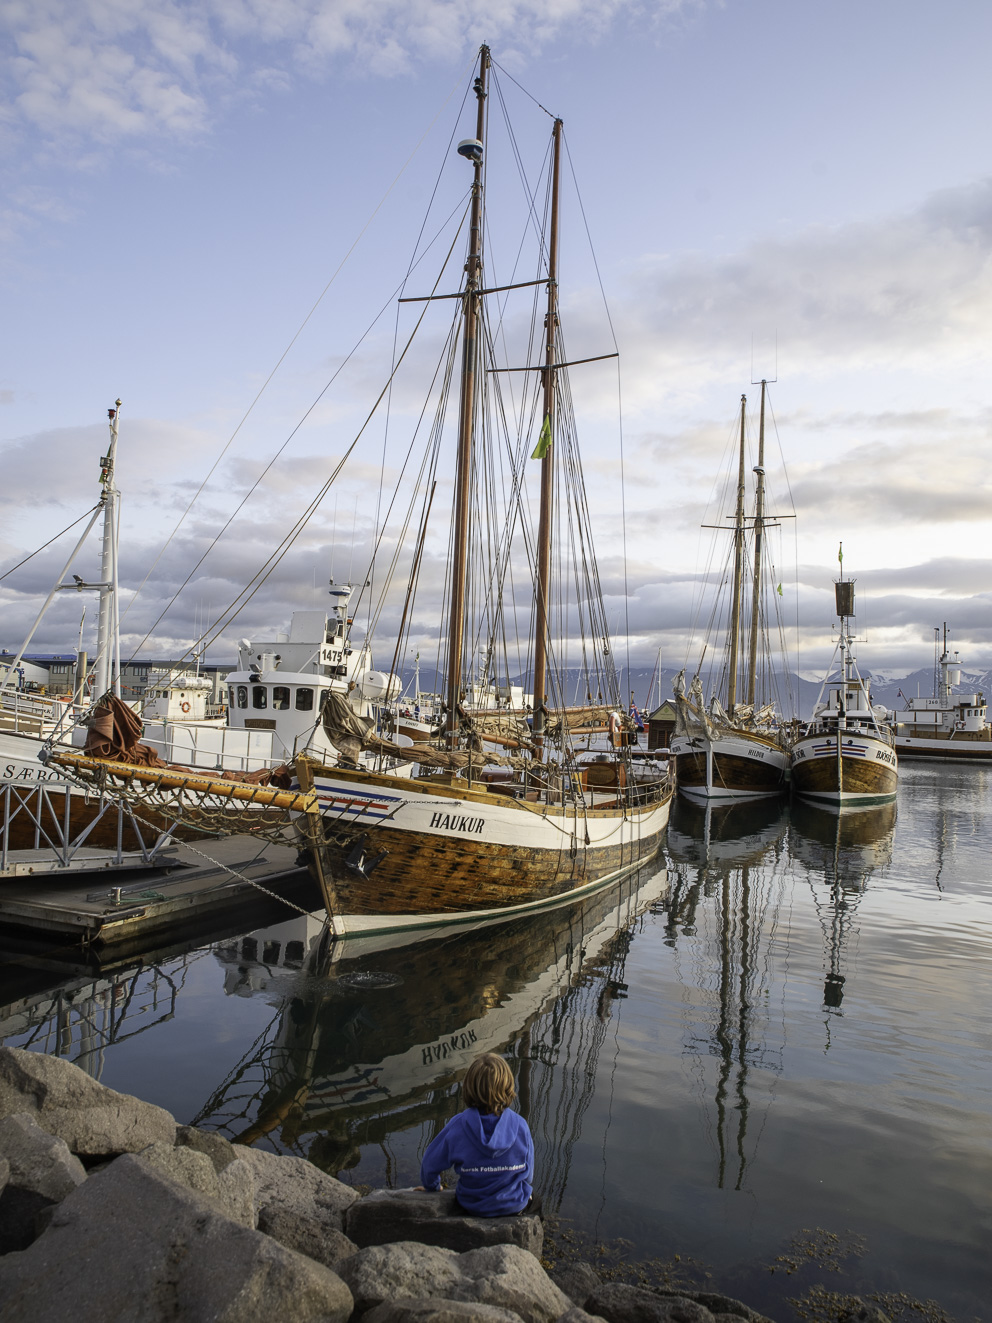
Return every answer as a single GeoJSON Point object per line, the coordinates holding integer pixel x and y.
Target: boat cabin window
{"type": "Point", "coordinates": [259, 695]}
{"type": "Point", "coordinates": [304, 700]}
{"type": "Point", "coordinates": [242, 695]}
{"type": "Point", "coordinates": [280, 697]}
{"type": "Point", "coordinates": [230, 694]}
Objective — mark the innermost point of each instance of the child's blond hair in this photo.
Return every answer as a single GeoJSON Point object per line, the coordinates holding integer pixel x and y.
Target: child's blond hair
{"type": "Point", "coordinates": [489, 1084]}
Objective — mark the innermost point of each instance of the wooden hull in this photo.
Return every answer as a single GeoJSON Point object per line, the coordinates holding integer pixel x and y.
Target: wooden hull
{"type": "Point", "coordinates": [867, 771]}
{"type": "Point", "coordinates": [732, 766]}
{"type": "Point", "coordinates": [434, 849]}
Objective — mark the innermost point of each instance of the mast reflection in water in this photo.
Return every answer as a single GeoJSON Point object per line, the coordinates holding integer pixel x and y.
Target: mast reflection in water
{"type": "Point", "coordinates": [839, 850]}
{"type": "Point", "coordinates": [715, 852]}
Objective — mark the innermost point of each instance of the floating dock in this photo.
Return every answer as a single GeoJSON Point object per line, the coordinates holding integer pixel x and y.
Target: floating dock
{"type": "Point", "coordinates": [97, 909]}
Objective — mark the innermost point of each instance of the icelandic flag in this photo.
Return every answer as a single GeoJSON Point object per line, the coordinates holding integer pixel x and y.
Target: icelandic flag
{"type": "Point", "coordinates": [638, 720]}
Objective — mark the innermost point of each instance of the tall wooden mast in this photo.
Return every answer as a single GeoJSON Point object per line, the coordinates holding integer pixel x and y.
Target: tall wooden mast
{"type": "Point", "coordinates": [543, 567]}
{"type": "Point", "coordinates": [759, 528]}
{"type": "Point", "coordinates": [735, 610]}
{"type": "Point", "coordinates": [466, 415]}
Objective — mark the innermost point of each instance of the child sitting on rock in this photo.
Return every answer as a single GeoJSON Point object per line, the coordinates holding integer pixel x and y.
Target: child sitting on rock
{"type": "Point", "coordinates": [489, 1146]}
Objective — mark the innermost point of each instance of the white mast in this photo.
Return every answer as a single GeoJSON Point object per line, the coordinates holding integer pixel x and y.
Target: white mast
{"type": "Point", "coordinates": [107, 668]}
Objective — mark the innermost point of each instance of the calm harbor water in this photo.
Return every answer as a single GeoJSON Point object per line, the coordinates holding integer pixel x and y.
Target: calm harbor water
{"type": "Point", "coordinates": [768, 1050]}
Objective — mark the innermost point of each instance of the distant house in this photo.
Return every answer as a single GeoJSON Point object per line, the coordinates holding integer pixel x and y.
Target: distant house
{"type": "Point", "coordinates": [661, 724]}
{"type": "Point", "coordinates": [28, 674]}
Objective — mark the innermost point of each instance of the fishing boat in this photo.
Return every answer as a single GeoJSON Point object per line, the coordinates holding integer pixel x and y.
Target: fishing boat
{"type": "Point", "coordinates": [729, 749]}
{"type": "Point", "coordinates": [846, 755]}
{"type": "Point", "coordinates": [948, 727]}
{"type": "Point", "coordinates": [497, 812]}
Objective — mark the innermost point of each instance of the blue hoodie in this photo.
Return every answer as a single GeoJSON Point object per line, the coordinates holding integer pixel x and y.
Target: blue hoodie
{"type": "Point", "coordinates": [493, 1157]}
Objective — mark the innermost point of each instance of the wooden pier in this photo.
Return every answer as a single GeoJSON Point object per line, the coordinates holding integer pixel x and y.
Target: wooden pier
{"type": "Point", "coordinates": [230, 875]}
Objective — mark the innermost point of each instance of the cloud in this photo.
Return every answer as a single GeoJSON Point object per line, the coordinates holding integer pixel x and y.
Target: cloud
{"type": "Point", "coordinates": [881, 294]}
{"type": "Point", "coordinates": [121, 70]}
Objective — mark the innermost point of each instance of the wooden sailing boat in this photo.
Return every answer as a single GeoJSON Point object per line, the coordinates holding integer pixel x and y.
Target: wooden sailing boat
{"type": "Point", "coordinates": [475, 831]}
{"type": "Point", "coordinates": [847, 754]}
{"type": "Point", "coordinates": [734, 751]}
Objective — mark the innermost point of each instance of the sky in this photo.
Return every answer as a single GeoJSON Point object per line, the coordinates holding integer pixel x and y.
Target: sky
{"type": "Point", "coordinates": [208, 206]}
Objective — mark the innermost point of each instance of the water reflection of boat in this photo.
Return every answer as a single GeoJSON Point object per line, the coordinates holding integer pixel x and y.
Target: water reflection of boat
{"type": "Point", "coordinates": [847, 843]}
{"type": "Point", "coordinates": [840, 850]}
{"type": "Point", "coordinates": [379, 1050]}
{"type": "Point", "coordinates": [740, 832]}
{"type": "Point", "coordinates": [727, 887]}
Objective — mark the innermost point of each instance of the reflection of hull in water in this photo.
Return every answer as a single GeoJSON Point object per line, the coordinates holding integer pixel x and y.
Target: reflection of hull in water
{"type": "Point", "coordinates": [842, 839]}
{"type": "Point", "coordinates": [344, 1052]}
{"type": "Point", "coordinates": [738, 833]}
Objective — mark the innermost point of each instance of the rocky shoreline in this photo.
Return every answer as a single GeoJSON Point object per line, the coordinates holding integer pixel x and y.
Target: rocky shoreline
{"type": "Point", "coordinates": [110, 1210]}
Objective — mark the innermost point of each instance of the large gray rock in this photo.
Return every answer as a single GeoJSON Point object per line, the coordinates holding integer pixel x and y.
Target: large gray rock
{"type": "Point", "coordinates": [578, 1280]}
{"type": "Point", "coordinates": [41, 1171]}
{"type": "Point", "coordinates": [433, 1218]}
{"type": "Point", "coordinates": [577, 1315]}
{"type": "Point", "coordinates": [295, 1185]}
{"type": "Point", "coordinates": [404, 1271]}
{"type": "Point", "coordinates": [720, 1306]}
{"type": "Point", "coordinates": [233, 1189]}
{"type": "Point", "coordinates": [236, 1192]}
{"type": "Point", "coordinates": [4, 1173]}
{"type": "Point", "coordinates": [618, 1303]}
{"type": "Point", "coordinates": [132, 1246]}
{"type": "Point", "coordinates": [307, 1235]}
{"type": "Point", "coordinates": [38, 1161]}
{"type": "Point", "coordinates": [438, 1311]}
{"type": "Point", "coordinates": [93, 1120]}
{"type": "Point", "coordinates": [508, 1276]}
{"type": "Point", "coordinates": [219, 1150]}
{"type": "Point", "coordinates": [501, 1275]}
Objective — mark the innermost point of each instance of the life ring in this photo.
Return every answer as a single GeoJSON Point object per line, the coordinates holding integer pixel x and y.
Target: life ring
{"type": "Point", "coordinates": [183, 707]}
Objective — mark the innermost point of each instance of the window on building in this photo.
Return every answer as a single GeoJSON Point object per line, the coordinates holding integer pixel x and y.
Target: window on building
{"type": "Point", "coordinates": [304, 700]}
{"type": "Point", "coordinates": [259, 695]}
{"type": "Point", "coordinates": [242, 695]}
{"type": "Point", "coordinates": [280, 697]}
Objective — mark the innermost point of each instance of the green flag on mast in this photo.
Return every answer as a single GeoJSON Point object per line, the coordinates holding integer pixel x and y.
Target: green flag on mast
{"type": "Point", "coordinates": [544, 440]}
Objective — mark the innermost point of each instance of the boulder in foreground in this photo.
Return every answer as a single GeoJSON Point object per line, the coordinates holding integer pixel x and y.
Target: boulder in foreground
{"type": "Point", "coordinates": [504, 1276]}
{"type": "Point", "coordinates": [94, 1121]}
{"type": "Point", "coordinates": [131, 1246]}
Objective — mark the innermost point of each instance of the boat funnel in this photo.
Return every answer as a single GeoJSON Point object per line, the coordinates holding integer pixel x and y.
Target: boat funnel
{"type": "Point", "coordinates": [844, 593]}
{"type": "Point", "coordinates": [471, 149]}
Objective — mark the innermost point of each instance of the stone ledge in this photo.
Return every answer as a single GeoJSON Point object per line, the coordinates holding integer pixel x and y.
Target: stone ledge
{"type": "Point", "coordinates": [387, 1216]}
